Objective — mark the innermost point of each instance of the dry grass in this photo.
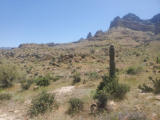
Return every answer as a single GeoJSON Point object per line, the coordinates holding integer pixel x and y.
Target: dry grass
{"type": "Point", "coordinates": [129, 52]}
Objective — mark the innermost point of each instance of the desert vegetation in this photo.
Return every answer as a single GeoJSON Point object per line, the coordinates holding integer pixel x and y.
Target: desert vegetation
{"type": "Point", "coordinates": [110, 88]}
{"type": "Point", "coordinates": [112, 75]}
{"type": "Point", "coordinates": [76, 105]}
{"type": "Point", "coordinates": [41, 103]}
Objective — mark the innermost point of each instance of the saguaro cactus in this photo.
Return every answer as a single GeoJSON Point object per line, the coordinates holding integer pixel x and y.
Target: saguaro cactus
{"type": "Point", "coordinates": [112, 61]}
{"type": "Point", "coordinates": [158, 59]}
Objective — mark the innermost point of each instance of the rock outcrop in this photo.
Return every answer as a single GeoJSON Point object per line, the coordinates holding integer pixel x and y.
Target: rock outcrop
{"type": "Point", "coordinates": [133, 22]}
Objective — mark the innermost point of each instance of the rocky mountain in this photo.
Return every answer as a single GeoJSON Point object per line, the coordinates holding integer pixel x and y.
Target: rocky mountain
{"type": "Point", "coordinates": [133, 22]}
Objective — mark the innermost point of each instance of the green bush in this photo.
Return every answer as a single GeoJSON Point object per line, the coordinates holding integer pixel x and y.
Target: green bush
{"type": "Point", "coordinates": [76, 105]}
{"type": "Point", "coordinates": [134, 70]}
{"type": "Point", "coordinates": [41, 103]}
{"type": "Point", "coordinates": [5, 96]}
{"type": "Point", "coordinates": [121, 91]}
{"type": "Point", "coordinates": [112, 88]}
{"type": "Point", "coordinates": [42, 81]}
{"type": "Point", "coordinates": [8, 75]}
{"type": "Point", "coordinates": [76, 78]}
{"type": "Point", "coordinates": [101, 98]}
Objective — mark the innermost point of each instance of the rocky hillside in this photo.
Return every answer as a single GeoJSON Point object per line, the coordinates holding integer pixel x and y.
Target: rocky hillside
{"type": "Point", "coordinates": [133, 22]}
{"type": "Point", "coordinates": [137, 60]}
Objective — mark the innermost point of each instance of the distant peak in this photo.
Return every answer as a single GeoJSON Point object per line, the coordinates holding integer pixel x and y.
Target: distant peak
{"type": "Point", "coordinates": [156, 18]}
{"type": "Point", "coordinates": [131, 17]}
{"type": "Point", "coordinates": [117, 18]}
{"type": "Point", "coordinates": [133, 22]}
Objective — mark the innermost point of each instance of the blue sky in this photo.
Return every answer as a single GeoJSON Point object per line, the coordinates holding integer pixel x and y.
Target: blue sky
{"type": "Point", "coordinates": [59, 21]}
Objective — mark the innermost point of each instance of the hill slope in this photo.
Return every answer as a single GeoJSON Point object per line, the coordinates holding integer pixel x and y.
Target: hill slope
{"type": "Point", "coordinates": [134, 48]}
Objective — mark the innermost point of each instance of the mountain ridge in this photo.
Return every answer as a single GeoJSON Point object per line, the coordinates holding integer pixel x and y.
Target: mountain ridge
{"type": "Point", "coordinates": [128, 21]}
{"type": "Point", "coordinates": [133, 22]}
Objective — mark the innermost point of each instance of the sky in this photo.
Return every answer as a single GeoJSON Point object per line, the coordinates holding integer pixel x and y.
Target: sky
{"type": "Point", "coordinates": [63, 21]}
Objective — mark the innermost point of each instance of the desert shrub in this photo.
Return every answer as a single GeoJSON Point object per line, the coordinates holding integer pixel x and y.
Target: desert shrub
{"type": "Point", "coordinates": [93, 76]}
{"type": "Point", "coordinates": [8, 75]}
{"type": "Point", "coordinates": [134, 70]}
{"type": "Point", "coordinates": [41, 103]}
{"type": "Point", "coordinates": [76, 105]}
{"type": "Point", "coordinates": [76, 78]}
{"type": "Point", "coordinates": [101, 98]}
{"type": "Point", "coordinates": [5, 96]}
{"type": "Point", "coordinates": [156, 85]}
{"type": "Point", "coordinates": [155, 88]}
{"type": "Point", "coordinates": [121, 91]}
{"type": "Point", "coordinates": [144, 88]}
{"type": "Point", "coordinates": [25, 84]}
{"type": "Point", "coordinates": [53, 77]}
{"type": "Point", "coordinates": [112, 88]}
{"type": "Point", "coordinates": [42, 81]}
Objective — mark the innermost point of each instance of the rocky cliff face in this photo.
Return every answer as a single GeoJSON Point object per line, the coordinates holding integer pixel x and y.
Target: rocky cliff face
{"type": "Point", "coordinates": [132, 21]}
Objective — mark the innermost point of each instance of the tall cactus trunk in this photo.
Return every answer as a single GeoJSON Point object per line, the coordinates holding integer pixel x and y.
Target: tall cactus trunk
{"type": "Point", "coordinates": [112, 61]}
{"type": "Point", "coordinates": [157, 60]}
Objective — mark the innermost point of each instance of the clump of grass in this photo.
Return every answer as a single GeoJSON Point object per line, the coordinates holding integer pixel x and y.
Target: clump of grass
{"type": "Point", "coordinates": [43, 81]}
{"type": "Point", "coordinates": [134, 70]}
{"type": "Point", "coordinates": [41, 103]}
{"type": "Point", "coordinates": [76, 105]}
{"type": "Point", "coordinates": [93, 76]}
{"type": "Point", "coordinates": [5, 96]}
{"type": "Point", "coordinates": [121, 91]}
